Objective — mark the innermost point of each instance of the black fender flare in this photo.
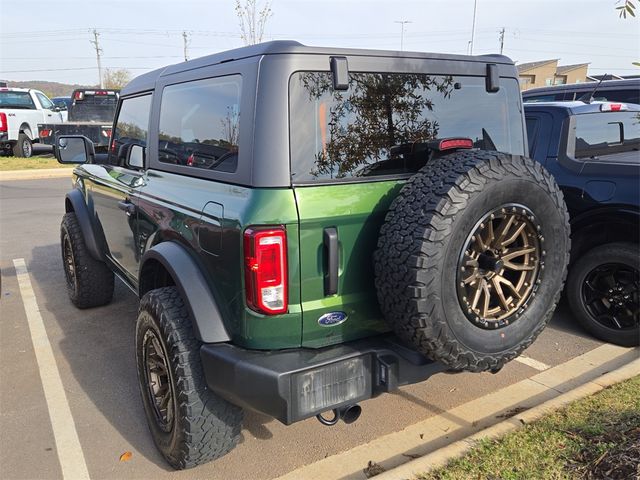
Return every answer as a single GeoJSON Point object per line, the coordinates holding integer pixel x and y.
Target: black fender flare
{"type": "Point", "coordinates": [79, 207]}
{"type": "Point", "coordinates": [208, 325]}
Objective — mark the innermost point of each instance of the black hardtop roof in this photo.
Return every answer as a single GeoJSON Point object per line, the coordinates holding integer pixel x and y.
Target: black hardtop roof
{"type": "Point", "coordinates": [632, 82]}
{"type": "Point", "coordinates": [576, 107]}
{"type": "Point", "coordinates": [147, 81]}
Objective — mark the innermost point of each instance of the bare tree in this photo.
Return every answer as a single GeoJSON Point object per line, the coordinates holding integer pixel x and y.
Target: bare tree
{"type": "Point", "coordinates": [253, 19]}
{"type": "Point", "coordinates": [116, 78]}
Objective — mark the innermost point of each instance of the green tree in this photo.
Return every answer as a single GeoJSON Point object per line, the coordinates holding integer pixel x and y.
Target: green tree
{"type": "Point", "coordinates": [627, 8]}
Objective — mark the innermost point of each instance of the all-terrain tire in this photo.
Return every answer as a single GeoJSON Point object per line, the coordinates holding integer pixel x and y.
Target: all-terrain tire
{"type": "Point", "coordinates": [625, 255]}
{"type": "Point", "coordinates": [23, 147]}
{"type": "Point", "coordinates": [90, 283]}
{"type": "Point", "coordinates": [422, 240]}
{"type": "Point", "coordinates": [203, 426]}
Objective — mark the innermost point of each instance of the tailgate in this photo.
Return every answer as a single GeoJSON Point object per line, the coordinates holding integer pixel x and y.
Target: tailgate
{"type": "Point", "coordinates": [342, 220]}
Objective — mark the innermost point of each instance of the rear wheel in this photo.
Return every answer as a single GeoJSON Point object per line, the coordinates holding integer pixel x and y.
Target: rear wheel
{"type": "Point", "coordinates": [472, 258]}
{"type": "Point", "coordinates": [603, 291]}
{"type": "Point", "coordinates": [23, 147]}
{"type": "Point", "coordinates": [189, 423]}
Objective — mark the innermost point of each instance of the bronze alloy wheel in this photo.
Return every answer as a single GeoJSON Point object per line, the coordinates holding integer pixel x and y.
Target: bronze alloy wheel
{"type": "Point", "coordinates": [158, 381]}
{"type": "Point", "coordinates": [499, 266]}
{"type": "Point", "coordinates": [69, 263]}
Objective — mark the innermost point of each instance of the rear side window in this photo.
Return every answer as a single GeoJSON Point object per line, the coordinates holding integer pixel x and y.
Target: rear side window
{"type": "Point", "coordinates": [626, 96]}
{"type": "Point", "coordinates": [200, 124]}
{"type": "Point", "coordinates": [383, 122]}
{"type": "Point", "coordinates": [603, 134]}
{"type": "Point", "coordinates": [132, 127]}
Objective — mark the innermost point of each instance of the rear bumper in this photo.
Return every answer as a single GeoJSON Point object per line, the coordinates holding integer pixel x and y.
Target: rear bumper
{"type": "Point", "coordinates": [291, 385]}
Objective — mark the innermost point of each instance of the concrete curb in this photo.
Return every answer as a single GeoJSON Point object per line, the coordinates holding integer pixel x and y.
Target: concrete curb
{"type": "Point", "coordinates": [34, 174]}
{"type": "Point", "coordinates": [444, 455]}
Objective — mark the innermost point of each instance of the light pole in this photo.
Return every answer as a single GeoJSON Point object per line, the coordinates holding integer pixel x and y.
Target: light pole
{"type": "Point", "coordinates": [402, 22]}
{"type": "Point", "coordinates": [473, 28]}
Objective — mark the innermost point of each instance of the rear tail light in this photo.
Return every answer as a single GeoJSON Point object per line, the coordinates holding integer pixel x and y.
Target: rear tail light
{"type": "Point", "coordinates": [265, 256]}
{"type": "Point", "coordinates": [106, 132]}
{"type": "Point", "coordinates": [3, 122]}
{"type": "Point", "coordinates": [451, 143]}
{"type": "Point", "coordinates": [78, 96]}
{"type": "Point", "coordinates": [45, 132]}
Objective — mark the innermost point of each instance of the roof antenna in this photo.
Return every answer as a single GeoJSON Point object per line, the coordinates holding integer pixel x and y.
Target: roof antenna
{"type": "Point", "coordinates": [588, 97]}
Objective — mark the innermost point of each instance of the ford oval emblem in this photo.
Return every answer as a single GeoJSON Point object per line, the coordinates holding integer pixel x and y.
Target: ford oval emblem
{"type": "Point", "coordinates": [332, 319]}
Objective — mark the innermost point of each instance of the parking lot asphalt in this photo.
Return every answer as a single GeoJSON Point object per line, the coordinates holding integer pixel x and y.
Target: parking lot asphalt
{"type": "Point", "coordinates": [93, 351]}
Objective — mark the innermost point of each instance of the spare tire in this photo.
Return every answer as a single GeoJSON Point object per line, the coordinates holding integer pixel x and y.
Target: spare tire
{"type": "Point", "coordinates": [472, 258]}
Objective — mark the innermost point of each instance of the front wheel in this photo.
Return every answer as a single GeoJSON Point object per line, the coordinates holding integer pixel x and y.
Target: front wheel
{"type": "Point", "coordinates": [90, 283]}
{"type": "Point", "coordinates": [23, 147]}
{"type": "Point", "coordinates": [189, 423]}
{"type": "Point", "coordinates": [603, 292]}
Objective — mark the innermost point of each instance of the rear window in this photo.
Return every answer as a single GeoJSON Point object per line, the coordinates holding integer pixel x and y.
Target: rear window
{"type": "Point", "coordinates": [200, 124]}
{"type": "Point", "coordinates": [16, 100]}
{"type": "Point", "coordinates": [603, 134]}
{"type": "Point", "coordinates": [382, 123]}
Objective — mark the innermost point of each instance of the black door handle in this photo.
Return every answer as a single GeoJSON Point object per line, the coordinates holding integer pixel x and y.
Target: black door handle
{"type": "Point", "coordinates": [330, 241]}
{"type": "Point", "coordinates": [127, 206]}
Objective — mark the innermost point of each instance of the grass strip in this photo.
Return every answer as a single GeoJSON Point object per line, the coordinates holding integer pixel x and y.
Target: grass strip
{"type": "Point", "coordinates": [594, 438]}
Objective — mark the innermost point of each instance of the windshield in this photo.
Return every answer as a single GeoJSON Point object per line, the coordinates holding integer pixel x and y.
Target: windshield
{"type": "Point", "coordinates": [9, 99]}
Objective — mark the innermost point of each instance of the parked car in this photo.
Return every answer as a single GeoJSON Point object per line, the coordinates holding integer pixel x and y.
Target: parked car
{"type": "Point", "coordinates": [21, 110]}
{"type": "Point", "coordinates": [626, 91]}
{"type": "Point", "coordinates": [63, 103]}
{"type": "Point", "coordinates": [90, 114]}
{"type": "Point", "coordinates": [593, 151]}
{"type": "Point", "coordinates": [309, 227]}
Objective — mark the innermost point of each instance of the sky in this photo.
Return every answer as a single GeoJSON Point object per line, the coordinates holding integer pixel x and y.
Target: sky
{"type": "Point", "coordinates": [51, 43]}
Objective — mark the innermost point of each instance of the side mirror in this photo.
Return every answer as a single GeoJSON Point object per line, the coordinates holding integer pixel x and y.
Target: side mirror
{"type": "Point", "coordinates": [56, 108]}
{"type": "Point", "coordinates": [136, 156]}
{"type": "Point", "coordinates": [73, 149]}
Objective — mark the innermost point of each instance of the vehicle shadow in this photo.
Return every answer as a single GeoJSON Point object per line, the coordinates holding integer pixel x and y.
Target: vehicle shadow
{"type": "Point", "coordinates": [98, 346]}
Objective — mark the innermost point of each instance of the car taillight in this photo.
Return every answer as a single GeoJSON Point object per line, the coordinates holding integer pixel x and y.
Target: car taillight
{"type": "Point", "coordinates": [451, 143]}
{"type": "Point", "coordinates": [106, 132]}
{"type": "Point", "coordinates": [78, 95]}
{"type": "Point", "coordinates": [613, 107]}
{"type": "Point", "coordinates": [265, 257]}
{"type": "Point", "coordinates": [3, 122]}
{"type": "Point", "coordinates": [45, 132]}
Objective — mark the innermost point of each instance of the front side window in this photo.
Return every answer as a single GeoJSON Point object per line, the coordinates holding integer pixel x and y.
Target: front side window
{"type": "Point", "coordinates": [44, 101]}
{"type": "Point", "coordinates": [132, 128]}
{"type": "Point", "coordinates": [598, 135]}
{"type": "Point", "coordinates": [384, 122]}
{"type": "Point", "coordinates": [200, 124]}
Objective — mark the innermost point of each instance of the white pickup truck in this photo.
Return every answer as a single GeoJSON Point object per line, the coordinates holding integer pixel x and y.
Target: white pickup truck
{"type": "Point", "coordinates": [21, 110]}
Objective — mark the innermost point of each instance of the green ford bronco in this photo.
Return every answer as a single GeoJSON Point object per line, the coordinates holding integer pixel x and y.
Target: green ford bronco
{"type": "Point", "coordinates": [308, 228]}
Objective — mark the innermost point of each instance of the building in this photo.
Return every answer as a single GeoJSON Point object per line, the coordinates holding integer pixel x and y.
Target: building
{"type": "Point", "coordinates": [545, 73]}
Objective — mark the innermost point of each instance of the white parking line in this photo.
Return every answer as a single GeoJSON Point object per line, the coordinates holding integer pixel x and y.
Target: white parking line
{"type": "Point", "coordinates": [64, 431]}
{"type": "Point", "coordinates": [532, 363]}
